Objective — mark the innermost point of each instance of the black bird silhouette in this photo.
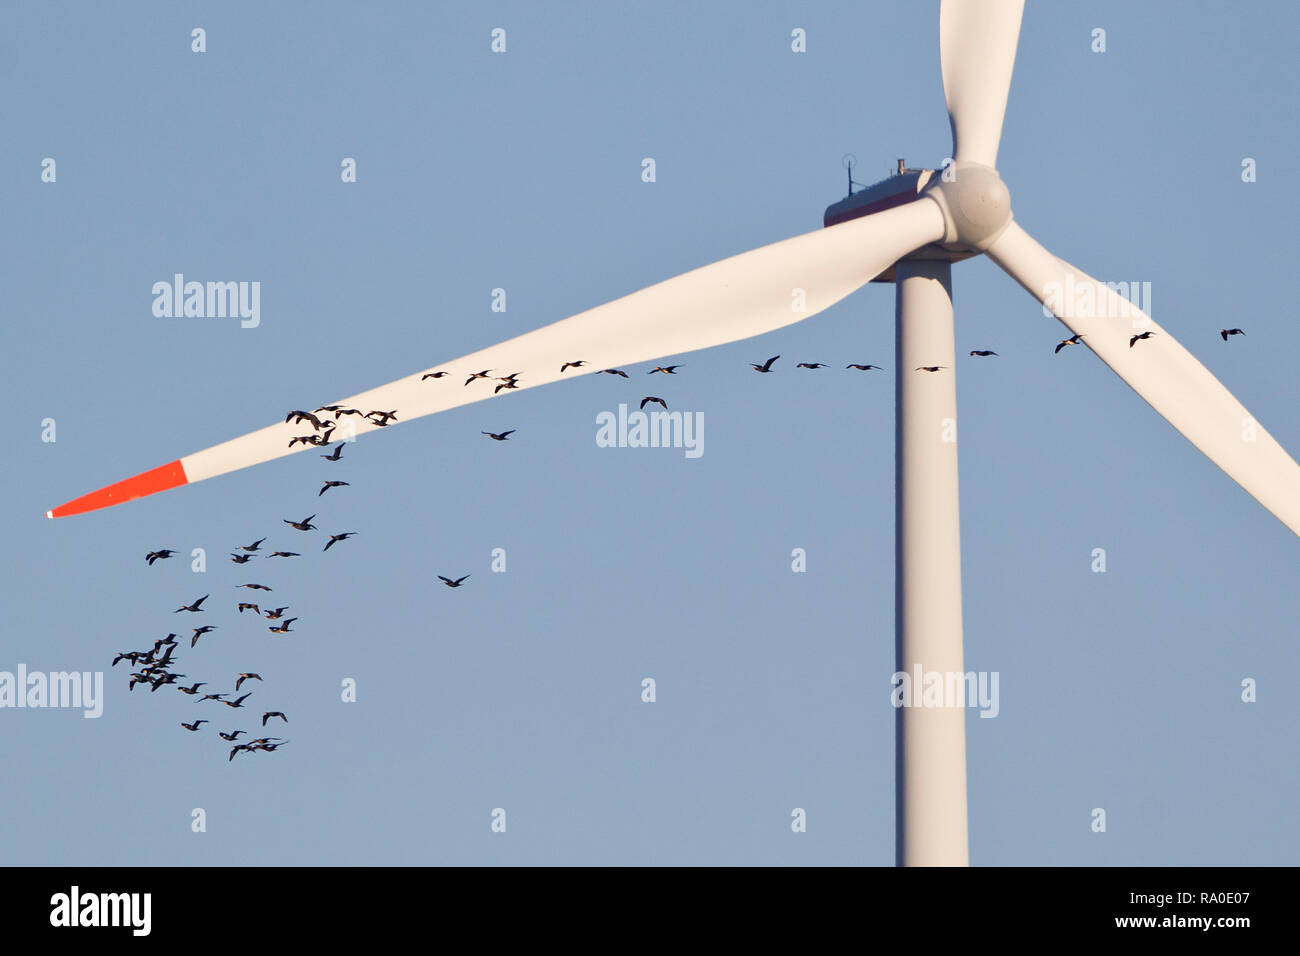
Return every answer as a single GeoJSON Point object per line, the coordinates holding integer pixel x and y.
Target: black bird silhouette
{"type": "Point", "coordinates": [286, 554]}
{"type": "Point", "coordinates": [432, 375]}
{"type": "Point", "coordinates": [193, 726]}
{"type": "Point", "coordinates": [336, 454]}
{"type": "Point", "coordinates": [1141, 335]}
{"type": "Point", "coordinates": [1072, 340]}
{"type": "Point", "coordinates": [243, 606]}
{"type": "Point", "coordinates": [275, 614]}
{"type": "Point", "coordinates": [666, 369]}
{"type": "Point", "coordinates": [241, 558]}
{"type": "Point", "coordinates": [382, 418]}
{"type": "Point", "coordinates": [612, 371]}
{"type": "Point", "coordinates": [864, 368]}
{"type": "Point", "coordinates": [153, 556]}
{"type": "Point", "coordinates": [982, 352]}
{"type": "Point", "coordinates": [1226, 332]}
{"type": "Point", "coordinates": [283, 628]}
{"type": "Point", "coordinates": [478, 375]}
{"type": "Point", "coordinates": [509, 378]}
{"type": "Point", "coordinates": [303, 525]}
{"type": "Point", "coordinates": [337, 537]}
{"type": "Point", "coordinates": [333, 409]}
{"type": "Point", "coordinates": [303, 439]}
{"type": "Point", "coordinates": [244, 677]}
{"type": "Point", "coordinates": [253, 587]}
{"type": "Point", "coordinates": [298, 415]}
{"type": "Point", "coordinates": [237, 702]}
{"type": "Point", "coordinates": [507, 384]}
{"type": "Point", "coordinates": [568, 365]}
{"type": "Point", "coordinates": [450, 583]}
{"type": "Point", "coordinates": [195, 607]}
{"type": "Point", "coordinates": [255, 546]}
{"type": "Point", "coordinates": [132, 656]}
{"type": "Point", "coordinates": [348, 411]}
{"type": "Point", "coordinates": [236, 749]}
{"type": "Point", "coordinates": [192, 689]}
{"type": "Point", "coordinates": [766, 366]}
{"type": "Point", "coordinates": [212, 697]}
{"type": "Point", "coordinates": [330, 484]}
{"type": "Point", "coordinates": [199, 632]}
{"type": "Point", "coordinates": [230, 736]}
{"type": "Point", "coordinates": [500, 436]}
{"type": "Point", "coordinates": [652, 398]}
{"type": "Point", "coordinates": [930, 368]}
{"type": "Point", "coordinates": [810, 365]}
{"type": "Point", "coordinates": [273, 713]}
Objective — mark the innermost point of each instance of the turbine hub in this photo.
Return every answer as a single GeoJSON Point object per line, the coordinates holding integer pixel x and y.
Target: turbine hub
{"type": "Point", "coordinates": [976, 204]}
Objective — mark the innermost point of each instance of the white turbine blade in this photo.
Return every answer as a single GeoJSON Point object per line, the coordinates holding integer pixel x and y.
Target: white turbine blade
{"type": "Point", "coordinates": [1164, 373]}
{"type": "Point", "coordinates": [736, 298]}
{"type": "Point", "coordinates": [977, 50]}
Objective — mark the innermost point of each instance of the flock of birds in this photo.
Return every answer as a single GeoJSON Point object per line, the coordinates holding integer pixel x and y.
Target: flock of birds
{"type": "Point", "coordinates": [155, 666]}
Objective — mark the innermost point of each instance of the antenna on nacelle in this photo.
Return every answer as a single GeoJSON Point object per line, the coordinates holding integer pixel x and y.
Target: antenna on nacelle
{"type": "Point", "coordinates": [848, 161]}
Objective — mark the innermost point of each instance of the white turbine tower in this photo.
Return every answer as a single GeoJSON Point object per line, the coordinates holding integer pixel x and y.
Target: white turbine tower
{"type": "Point", "coordinates": [910, 227]}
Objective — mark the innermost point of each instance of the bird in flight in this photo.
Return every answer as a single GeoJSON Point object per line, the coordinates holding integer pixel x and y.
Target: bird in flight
{"type": "Point", "coordinates": [1226, 332]}
{"type": "Point", "coordinates": [242, 607]}
{"type": "Point", "coordinates": [330, 484]}
{"type": "Point", "coordinates": [200, 631]}
{"type": "Point", "coordinates": [501, 436]}
{"type": "Point", "coordinates": [273, 713]}
{"type": "Point", "coordinates": [612, 371]}
{"type": "Point", "coordinates": [194, 608]}
{"type": "Point", "coordinates": [1072, 340]}
{"type": "Point", "coordinates": [982, 352]}
{"type": "Point", "coordinates": [193, 689]}
{"type": "Point", "coordinates": [230, 736]}
{"type": "Point", "coordinates": [508, 384]}
{"type": "Point", "coordinates": [153, 556]}
{"type": "Point", "coordinates": [337, 537]}
{"type": "Point", "coordinates": [811, 365]}
{"type": "Point", "coordinates": [864, 368]}
{"type": "Point", "coordinates": [478, 375]}
{"type": "Point", "coordinates": [1141, 335]}
{"type": "Point", "coordinates": [236, 749]}
{"type": "Point", "coordinates": [568, 365]}
{"type": "Point", "coordinates": [194, 726]}
{"type": "Point", "coordinates": [297, 416]}
{"type": "Point", "coordinates": [253, 587]}
{"type": "Point", "coordinates": [241, 558]}
{"type": "Point", "coordinates": [666, 369]}
{"type": "Point", "coordinates": [432, 375]}
{"type": "Point", "coordinates": [275, 614]}
{"type": "Point", "coordinates": [652, 398]}
{"type": "Point", "coordinates": [303, 525]}
{"type": "Point", "coordinates": [930, 368]}
{"type": "Point", "coordinates": [255, 546]}
{"type": "Point", "coordinates": [382, 418]}
{"type": "Point", "coordinates": [766, 366]}
{"type": "Point", "coordinates": [244, 677]}
{"type": "Point", "coordinates": [450, 583]}
{"type": "Point", "coordinates": [336, 454]}
{"type": "Point", "coordinates": [283, 628]}
{"type": "Point", "coordinates": [237, 702]}
{"type": "Point", "coordinates": [286, 554]}
{"type": "Point", "coordinates": [212, 697]}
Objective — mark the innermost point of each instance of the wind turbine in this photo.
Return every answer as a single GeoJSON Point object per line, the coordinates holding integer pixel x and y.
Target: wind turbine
{"type": "Point", "coordinates": [909, 228]}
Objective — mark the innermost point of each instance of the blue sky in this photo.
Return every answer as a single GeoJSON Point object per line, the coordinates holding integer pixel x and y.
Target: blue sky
{"type": "Point", "coordinates": [522, 689]}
